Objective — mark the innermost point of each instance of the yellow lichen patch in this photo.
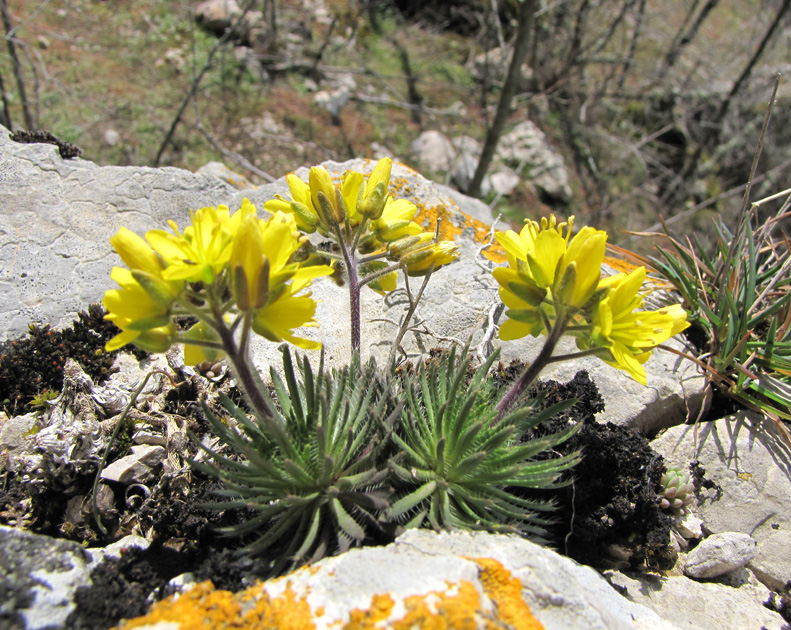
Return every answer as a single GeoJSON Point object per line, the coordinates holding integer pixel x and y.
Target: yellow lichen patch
{"type": "Point", "coordinates": [442, 611]}
{"type": "Point", "coordinates": [379, 611]}
{"type": "Point", "coordinates": [506, 592]}
{"type": "Point", "coordinates": [450, 228]}
{"type": "Point", "coordinates": [204, 608]}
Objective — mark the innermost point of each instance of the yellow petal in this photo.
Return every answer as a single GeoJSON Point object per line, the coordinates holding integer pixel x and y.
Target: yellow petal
{"type": "Point", "coordinates": [135, 252]}
{"type": "Point", "coordinates": [587, 249]}
{"type": "Point", "coordinates": [511, 330]}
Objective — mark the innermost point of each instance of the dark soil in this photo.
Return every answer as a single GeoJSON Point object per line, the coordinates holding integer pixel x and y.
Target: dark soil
{"type": "Point", "coordinates": [609, 516]}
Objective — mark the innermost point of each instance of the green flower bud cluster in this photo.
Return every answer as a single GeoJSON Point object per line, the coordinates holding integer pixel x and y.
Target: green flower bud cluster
{"type": "Point", "coordinates": [678, 489]}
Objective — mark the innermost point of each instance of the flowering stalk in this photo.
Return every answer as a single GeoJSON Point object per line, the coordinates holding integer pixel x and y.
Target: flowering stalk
{"type": "Point", "coordinates": [369, 227]}
{"type": "Point", "coordinates": [553, 286]}
{"type": "Point", "coordinates": [531, 372]}
{"type": "Point", "coordinates": [223, 267]}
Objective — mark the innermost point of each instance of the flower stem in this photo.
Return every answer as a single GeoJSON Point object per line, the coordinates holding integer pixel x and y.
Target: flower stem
{"type": "Point", "coordinates": [532, 371]}
{"type": "Point", "coordinates": [238, 356]}
{"type": "Point", "coordinates": [354, 287]}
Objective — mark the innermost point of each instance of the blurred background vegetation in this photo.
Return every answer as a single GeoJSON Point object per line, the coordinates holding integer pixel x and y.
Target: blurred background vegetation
{"type": "Point", "coordinates": [655, 106]}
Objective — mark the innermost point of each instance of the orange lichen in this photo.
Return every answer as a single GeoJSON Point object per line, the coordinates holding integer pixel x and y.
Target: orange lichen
{"type": "Point", "coordinates": [379, 611]}
{"type": "Point", "coordinates": [459, 607]}
{"type": "Point", "coordinates": [506, 592]}
{"type": "Point", "coordinates": [442, 611]}
{"type": "Point", "coordinates": [204, 608]}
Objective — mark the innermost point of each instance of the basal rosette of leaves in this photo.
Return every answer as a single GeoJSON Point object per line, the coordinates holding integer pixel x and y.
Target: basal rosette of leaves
{"type": "Point", "coordinates": [678, 490]}
{"type": "Point", "coordinates": [318, 487]}
{"type": "Point", "coordinates": [457, 462]}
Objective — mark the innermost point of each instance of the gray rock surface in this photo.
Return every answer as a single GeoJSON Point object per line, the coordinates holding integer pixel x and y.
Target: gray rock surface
{"type": "Point", "coordinates": [694, 605]}
{"type": "Point", "coordinates": [137, 467]}
{"type": "Point", "coordinates": [433, 150]}
{"type": "Point", "coordinates": [719, 554]}
{"type": "Point", "coordinates": [56, 216]}
{"type": "Point", "coordinates": [39, 577]}
{"type": "Point", "coordinates": [750, 470]}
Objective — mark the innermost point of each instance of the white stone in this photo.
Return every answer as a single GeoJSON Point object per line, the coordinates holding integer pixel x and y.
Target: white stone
{"type": "Point", "coordinates": [504, 181]}
{"type": "Point", "coordinates": [720, 554]}
{"type": "Point", "coordinates": [689, 525]}
{"type": "Point", "coordinates": [136, 467]}
{"type": "Point", "coordinates": [111, 137]}
{"type": "Point", "coordinates": [433, 151]}
{"type": "Point", "coordinates": [14, 430]}
{"type": "Point", "coordinates": [333, 100]}
{"type": "Point", "coordinates": [222, 172]}
{"type": "Point", "coordinates": [115, 550]}
{"type": "Point", "coordinates": [526, 147]}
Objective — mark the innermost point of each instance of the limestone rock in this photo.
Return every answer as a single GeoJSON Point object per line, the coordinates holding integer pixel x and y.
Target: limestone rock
{"type": "Point", "coordinates": [486, 579]}
{"type": "Point", "coordinates": [432, 150]}
{"type": "Point", "coordinates": [699, 606]}
{"type": "Point", "coordinates": [138, 467]}
{"type": "Point", "coordinates": [526, 147]}
{"type": "Point", "coordinates": [220, 171]}
{"type": "Point", "coordinates": [748, 467]}
{"type": "Point", "coordinates": [38, 579]}
{"type": "Point", "coordinates": [61, 213]}
{"type": "Point", "coordinates": [720, 554]}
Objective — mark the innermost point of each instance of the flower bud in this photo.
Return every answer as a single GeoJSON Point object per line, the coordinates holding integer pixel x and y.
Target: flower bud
{"type": "Point", "coordinates": [157, 289]}
{"type": "Point", "coordinates": [156, 339]}
{"type": "Point", "coordinates": [565, 284]}
{"type": "Point", "coordinates": [374, 197]}
{"type": "Point", "coordinates": [304, 216]}
{"type": "Point", "coordinates": [327, 213]}
{"type": "Point", "coordinates": [398, 248]}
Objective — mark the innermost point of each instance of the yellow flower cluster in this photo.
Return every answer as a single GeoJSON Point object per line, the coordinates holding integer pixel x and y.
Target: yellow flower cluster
{"type": "Point", "coordinates": [554, 280]}
{"type": "Point", "coordinates": [219, 256]}
{"type": "Point", "coordinates": [385, 224]}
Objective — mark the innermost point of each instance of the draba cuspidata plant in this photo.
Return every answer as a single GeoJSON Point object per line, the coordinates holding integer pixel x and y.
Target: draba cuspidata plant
{"type": "Point", "coordinates": [328, 460]}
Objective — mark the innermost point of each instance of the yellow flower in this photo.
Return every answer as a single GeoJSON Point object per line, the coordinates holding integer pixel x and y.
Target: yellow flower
{"type": "Point", "coordinates": [202, 251]}
{"type": "Point", "coordinates": [579, 269]}
{"type": "Point", "coordinates": [628, 334]}
{"type": "Point", "coordinates": [135, 252]}
{"type": "Point", "coordinates": [143, 320]}
{"type": "Point", "coordinates": [547, 270]}
{"type": "Point", "coordinates": [351, 190]}
{"type": "Point", "coordinates": [301, 206]}
{"type": "Point", "coordinates": [249, 266]}
{"type": "Point", "coordinates": [396, 221]}
{"type": "Point", "coordinates": [374, 196]}
{"type": "Point", "coordinates": [281, 310]}
{"type": "Point", "coordinates": [420, 261]}
{"type": "Point", "coordinates": [276, 320]}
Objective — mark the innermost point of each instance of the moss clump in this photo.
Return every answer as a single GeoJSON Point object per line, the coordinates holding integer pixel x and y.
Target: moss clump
{"type": "Point", "coordinates": [67, 150]}
{"type": "Point", "coordinates": [34, 363]}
